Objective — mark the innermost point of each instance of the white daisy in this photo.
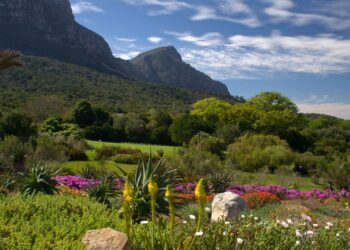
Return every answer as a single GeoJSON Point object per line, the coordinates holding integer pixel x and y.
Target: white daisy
{"type": "Point", "coordinates": [256, 218]}
{"type": "Point", "coordinates": [239, 240]}
{"type": "Point", "coordinates": [290, 221]}
{"type": "Point", "coordinates": [297, 243]}
{"type": "Point", "coordinates": [184, 222]}
{"type": "Point", "coordinates": [284, 224]}
{"type": "Point", "coordinates": [330, 224]}
{"type": "Point", "coordinates": [200, 233]}
{"type": "Point", "coordinates": [192, 217]}
{"type": "Point", "coordinates": [144, 222]}
{"type": "Point", "coordinates": [315, 225]}
{"type": "Point", "coordinates": [298, 234]}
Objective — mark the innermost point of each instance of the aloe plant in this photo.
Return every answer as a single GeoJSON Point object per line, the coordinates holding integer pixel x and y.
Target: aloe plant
{"type": "Point", "coordinates": [39, 180]}
{"type": "Point", "coordinates": [140, 178]}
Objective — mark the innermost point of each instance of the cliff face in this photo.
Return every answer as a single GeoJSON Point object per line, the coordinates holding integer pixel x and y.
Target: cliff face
{"type": "Point", "coordinates": [165, 65]}
{"type": "Point", "coordinates": [47, 28]}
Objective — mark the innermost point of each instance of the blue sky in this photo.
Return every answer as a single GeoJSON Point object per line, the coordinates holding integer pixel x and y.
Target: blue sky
{"type": "Point", "coordinates": [298, 47]}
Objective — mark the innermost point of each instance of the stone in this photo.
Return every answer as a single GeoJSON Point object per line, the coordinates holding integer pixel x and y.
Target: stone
{"type": "Point", "coordinates": [227, 206]}
{"type": "Point", "coordinates": [105, 239]}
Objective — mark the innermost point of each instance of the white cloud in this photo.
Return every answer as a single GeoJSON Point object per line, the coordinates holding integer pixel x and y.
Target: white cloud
{"type": "Point", "coordinates": [279, 11]}
{"type": "Point", "coordinates": [203, 12]}
{"type": "Point", "coordinates": [127, 55]}
{"type": "Point", "coordinates": [249, 57]}
{"type": "Point", "coordinates": [124, 39]}
{"type": "Point", "coordinates": [341, 110]}
{"type": "Point", "coordinates": [155, 39]}
{"type": "Point", "coordinates": [208, 39]}
{"type": "Point", "coordinates": [84, 6]}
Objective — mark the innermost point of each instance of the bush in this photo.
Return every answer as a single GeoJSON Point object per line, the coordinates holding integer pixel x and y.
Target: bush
{"type": "Point", "coordinates": [253, 152]}
{"type": "Point", "coordinates": [205, 142]}
{"type": "Point", "coordinates": [126, 158]}
{"type": "Point", "coordinates": [260, 199]}
{"type": "Point", "coordinates": [75, 154]}
{"type": "Point", "coordinates": [51, 222]}
{"type": "Point", "coordinates": [105, 152]}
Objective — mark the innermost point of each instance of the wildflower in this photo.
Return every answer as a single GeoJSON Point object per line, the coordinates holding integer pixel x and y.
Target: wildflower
{"type": "Point", "coordinates": [184, 222]}
{"type": "Point", "coordinates": [330, 224]}
{"type": "Point", "coordinates": [170, 196]}
{"type": "Point", "coordinates": [338, 235]}
{"type": "Point", "coordinates": [309, 233]}
{"type": "Point", "coordinates": [152, 187]}
{"type": "Point", "coordinates": [290, 221]}
{"type": "Point", "coordinates": [327, 227]}
{"type": "Point", "coordinates": [284, 224]}
{"type": "Point", "coordinates": [313, 243]}
{"type": "Point", "coordinates": [192, 217]}
{"type": "Point", "coordinates": [201, 197]}
{"type": "Point", "coordinates": [224, 233]}
{"type": "Point", "coordinates": [256, 218]}
{"type": "Point", "coordinates": [227, 223]}
{"type": "Point", "coordinates": [144, 222]}
{"type": "Point", "coordinates": [128, 191]}
{"type": "Point", "coordinates": [297, 243]}
{"type": "Point", "coordinates": [239, 240]}
{"type": "Point", "coordinates": [242, 216]}
{"type": "Point", "coordinates": [207, 209]}
{"type": "Point", "coordinates": [349, 230]}
{"type": "Point", "coordinates": [315, 225]}
{"type": "Point", "coordinates": [306, 217]}
{"type": "Point", "coordinates": [199, 233]}
{"type": "Point", "coordinates": [127, 198]}
{"type": "Point", "coordinates": [298, 234]}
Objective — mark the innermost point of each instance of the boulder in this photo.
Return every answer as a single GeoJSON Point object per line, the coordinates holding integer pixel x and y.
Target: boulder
{"type": "Point", "coordinates": [105, 239]}
{"type": "Point", "coordinates": [227, 206]}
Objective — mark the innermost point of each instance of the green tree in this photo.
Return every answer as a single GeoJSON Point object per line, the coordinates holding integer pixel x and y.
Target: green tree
{"type": "Point", "coordinates": [83, 114]}
{"type": "Point", "coordinates": [186, 126]}
{"type": "Point", "coordinates": [272, 101]}
{"type": "Point", "coordinates": [212, 110]}
{"type": "Point", "coordinates": [206, 142]}
{"type": "Point", "coordinates": [20, 125]}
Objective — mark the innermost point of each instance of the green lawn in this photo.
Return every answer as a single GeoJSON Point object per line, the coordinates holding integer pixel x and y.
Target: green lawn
{"type": "Point", "coordinates": [111, 166]}
{"type": "Point", "coordinates": [168, 150]}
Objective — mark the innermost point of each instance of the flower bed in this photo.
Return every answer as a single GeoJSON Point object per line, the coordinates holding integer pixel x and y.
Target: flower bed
{"type": "Point", "coordinates": [285, 193]}
{"type": "Point", "coordinates": [260, 199]}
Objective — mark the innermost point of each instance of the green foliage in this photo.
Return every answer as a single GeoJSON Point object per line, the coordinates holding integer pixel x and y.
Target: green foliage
{"type": "Point", "coordinates": [186, 126]}
{"type": "Point", "coordinates": [56, 127]}
{"type": "Point", "coordinates": [272, 101]}
{"type": "Point", "coordinates": [337, 174]}
{"type": "Point", "coordinates": [13, 154]}
{"type": "Point", "coordinates": [83, 114]}
{"type": "Point", "coordinates": [39, 180]}
{"type": "Point", "coordinates": [51, 222]}
{"type": "Point", "coordinates": [205, 142]}
{"type": "Point", "coordinates": [139, 181]}
{"type": "Point", "coordinates": [252, 152]}
{"type": "Point", "coordinates": [103, 193]}
{"type": "Point", "coordinates": [18, 124]}
{"type": "Point", "coordinates": [193, 164]}
{"type": "Point", "coordinates": [212, 110]}
{"type": "Point", "coordinates": [220, 180]}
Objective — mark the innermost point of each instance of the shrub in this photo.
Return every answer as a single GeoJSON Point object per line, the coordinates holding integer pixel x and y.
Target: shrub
{"type": "Point", "coordinates": [39, 179]}
{"type": "Point", "coordinates": [126, 158]}
{"type": "Point", "coordinates": [260, 199]}
{"type": "Point", "coordinates": [105, 152]}
{"type": "Point", "coordinates": [76, 154]}
{"type": "Point", "coordinates": [51, 222]}
{"type": "Point", "coordinates": [253, 152]}
{"type": "Point", "coordinates": [204, 141]}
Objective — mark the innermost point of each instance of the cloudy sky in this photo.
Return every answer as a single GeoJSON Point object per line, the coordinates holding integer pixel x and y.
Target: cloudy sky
{"type": "Point", "coordinates": [298, 47]}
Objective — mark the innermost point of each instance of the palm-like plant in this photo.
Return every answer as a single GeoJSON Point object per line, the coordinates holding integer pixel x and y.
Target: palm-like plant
{"type": "Point", "coordinates": [140, 178]}
{"type": "Point", "coordinates": [9, 59]}
{"type": "Point", "coordinates": [39, 180]}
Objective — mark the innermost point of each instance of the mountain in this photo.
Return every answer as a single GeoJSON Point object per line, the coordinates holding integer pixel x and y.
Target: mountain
{"type": "Point", "coordinates": [45, 76]}
{"type": "Point", "coordinates": [47, 28]}
{"type": "Point", "coordinates": [165, 65]}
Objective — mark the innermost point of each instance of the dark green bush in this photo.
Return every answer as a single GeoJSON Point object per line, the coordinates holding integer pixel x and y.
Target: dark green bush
{"type": "Point", "coordinates": [126, 158]}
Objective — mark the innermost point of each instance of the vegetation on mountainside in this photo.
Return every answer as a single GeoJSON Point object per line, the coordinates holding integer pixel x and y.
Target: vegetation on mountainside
{"type": "Point", "coordinates": [44, 76]}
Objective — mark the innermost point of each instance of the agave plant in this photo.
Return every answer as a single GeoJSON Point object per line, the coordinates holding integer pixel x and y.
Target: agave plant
{"type": "Point", "coordinates": [39, 179]}
{"type": "Point", "coordinates": [104, 192]}
{"type": "Point", "coordinates": [140, 178]}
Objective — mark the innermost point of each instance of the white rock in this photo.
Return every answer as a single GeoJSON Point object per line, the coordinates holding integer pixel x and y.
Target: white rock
{"type": "Point", "coordinates": [227, 206]}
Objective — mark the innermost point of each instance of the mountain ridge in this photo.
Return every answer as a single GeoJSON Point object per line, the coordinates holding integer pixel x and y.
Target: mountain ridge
{"type": "Point", "coordinates": [47, 28]}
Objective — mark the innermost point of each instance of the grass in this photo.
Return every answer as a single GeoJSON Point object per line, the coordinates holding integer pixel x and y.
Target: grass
{"type": "Point", "coordinates": [168, 150]}
{"type": "Point", "coordinates": [77, 166]}
{"type": "Point", "coordinates": [302, 183]}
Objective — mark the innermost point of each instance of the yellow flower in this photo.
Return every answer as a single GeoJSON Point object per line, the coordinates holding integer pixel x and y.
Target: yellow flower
{"type": "Point", "coordinates": [199, 192]}
{"type": "Point", "coordinates": [152, 187]}
{"type": "Point", "coordinates": [128, 191]}
{"type": "Point", "coordinates": [169, 193]}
